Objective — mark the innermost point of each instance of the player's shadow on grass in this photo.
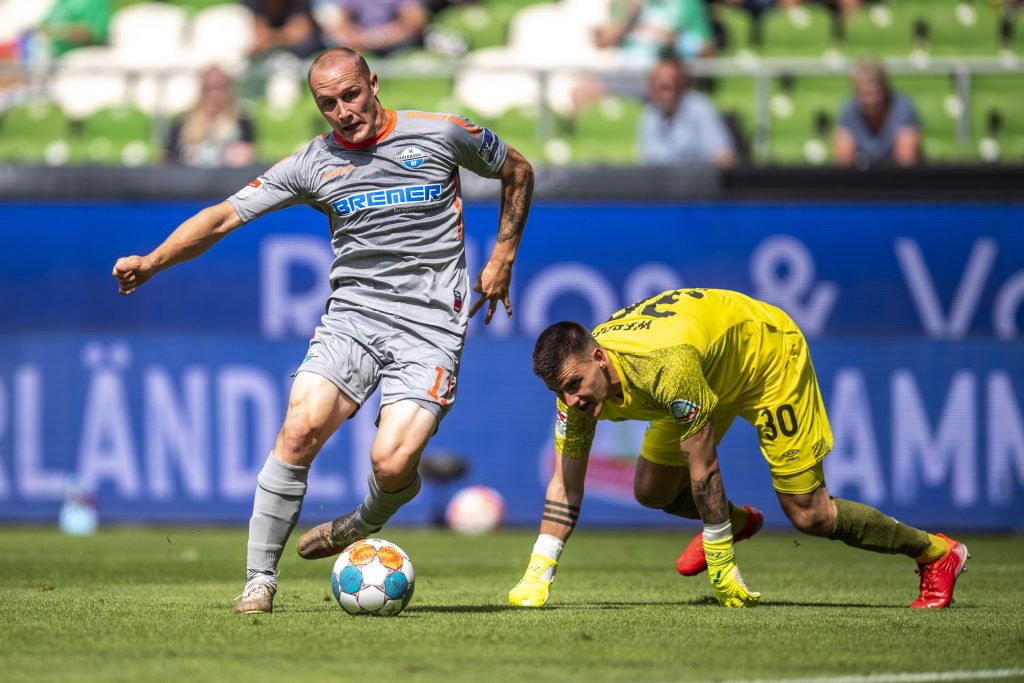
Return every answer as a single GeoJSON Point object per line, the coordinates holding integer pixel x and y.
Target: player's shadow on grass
{"type": "Point", "coordinates": [458, 609]}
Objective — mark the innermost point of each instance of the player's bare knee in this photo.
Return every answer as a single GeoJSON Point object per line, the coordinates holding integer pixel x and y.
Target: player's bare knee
{"type": "Point", "coordinates": [393, 471]}
{"type": "Point", "coordinates": [297, 441]}
{"type": "Point", "coordinates": [651, 498]}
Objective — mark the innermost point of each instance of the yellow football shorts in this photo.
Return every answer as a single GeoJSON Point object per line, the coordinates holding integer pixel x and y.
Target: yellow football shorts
{"type": "Point", "coordinates": [792, 426]}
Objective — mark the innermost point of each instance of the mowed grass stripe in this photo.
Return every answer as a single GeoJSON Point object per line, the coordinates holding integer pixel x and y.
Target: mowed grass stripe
{"type": "Point", "coordinates": [154, 605]}
{"type": "Point", "coordinates": [925, 677]}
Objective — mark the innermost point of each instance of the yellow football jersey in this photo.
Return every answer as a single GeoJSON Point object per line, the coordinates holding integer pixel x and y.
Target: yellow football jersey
{"type": "Point", "coordinates": [687, 354]}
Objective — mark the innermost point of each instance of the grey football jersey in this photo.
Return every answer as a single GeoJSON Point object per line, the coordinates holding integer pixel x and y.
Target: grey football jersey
{"type": "Point", "coordinates": [395, 211]}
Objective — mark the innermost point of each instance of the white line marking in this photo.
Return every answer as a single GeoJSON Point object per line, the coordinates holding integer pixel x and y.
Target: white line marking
{"type": "Point", "coordinates": [923, 677]}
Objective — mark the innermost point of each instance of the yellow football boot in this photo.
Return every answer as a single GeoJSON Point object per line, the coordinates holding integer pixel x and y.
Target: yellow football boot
{"type": "Point", "coordinates": [532, 590]}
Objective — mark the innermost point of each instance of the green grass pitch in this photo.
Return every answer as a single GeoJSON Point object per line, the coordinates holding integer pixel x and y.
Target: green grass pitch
{"type": "Point", "coordinates": [154, 605]}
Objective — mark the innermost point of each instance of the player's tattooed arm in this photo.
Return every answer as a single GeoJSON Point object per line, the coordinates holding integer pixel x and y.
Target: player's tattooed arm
{"type": "Point", "coordinates": [516, 194]}
{"type": "Point", "coordinates": [495, 280]}
{"type": "Point", "coordinates": [706, 477]}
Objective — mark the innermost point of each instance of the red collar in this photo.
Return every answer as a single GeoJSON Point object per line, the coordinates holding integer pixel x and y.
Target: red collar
{"type": "Point", "coordinates": [389, 125]}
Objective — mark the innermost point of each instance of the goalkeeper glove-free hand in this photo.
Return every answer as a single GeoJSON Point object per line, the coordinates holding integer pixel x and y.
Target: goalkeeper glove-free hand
{"type": "Point", "coordinates": [725, 576]}
{"type": "Point", "coordinates": [532, 590]}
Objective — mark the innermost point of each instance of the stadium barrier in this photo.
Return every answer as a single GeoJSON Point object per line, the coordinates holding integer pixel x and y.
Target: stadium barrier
{"type": "Point", "coordinates": [166, 402]}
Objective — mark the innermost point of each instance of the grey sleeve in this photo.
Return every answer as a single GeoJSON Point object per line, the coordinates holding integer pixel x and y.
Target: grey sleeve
{"type": "Point", "coordinates": [276, 188]}
{"type": "Point", "coordinates": [476, 148]}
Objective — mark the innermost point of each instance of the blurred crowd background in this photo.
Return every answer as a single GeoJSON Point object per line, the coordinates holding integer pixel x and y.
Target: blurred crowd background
{"type": "Point", "coordinates": [729, 82]}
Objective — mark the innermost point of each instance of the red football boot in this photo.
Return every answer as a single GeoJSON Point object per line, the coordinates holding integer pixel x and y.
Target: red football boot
{"type": "Point", "coordinates": [939, 576]}
{"type": "Point", "coordinates": [692, 561]}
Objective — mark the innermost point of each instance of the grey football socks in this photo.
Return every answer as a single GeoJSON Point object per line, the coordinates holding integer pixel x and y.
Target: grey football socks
{"type": "Point", "coordinates": [378, 506]}
{"type": "Point", "coordinates": [275, 510]}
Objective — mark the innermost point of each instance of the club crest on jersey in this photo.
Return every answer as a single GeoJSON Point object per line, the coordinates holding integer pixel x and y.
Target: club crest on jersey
{"type": "Point", "coordinates": [684, 411]}
{"type": "Point", "coordinates": [412, 157]}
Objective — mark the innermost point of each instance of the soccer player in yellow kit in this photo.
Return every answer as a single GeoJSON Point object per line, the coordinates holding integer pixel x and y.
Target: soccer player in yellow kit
{"type": "Point", "coordinates": [690, 361]}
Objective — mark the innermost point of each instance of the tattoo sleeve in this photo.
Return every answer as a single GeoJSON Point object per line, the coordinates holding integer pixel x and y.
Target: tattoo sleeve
{"type": "Point", "coordinates": [709, 495]}
{"type": "Point", "coordinates": [516, 195]}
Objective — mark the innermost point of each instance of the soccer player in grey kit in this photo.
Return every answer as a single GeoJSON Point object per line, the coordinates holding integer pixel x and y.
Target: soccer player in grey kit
{"type": "Point", "coordinates": [389, 183]}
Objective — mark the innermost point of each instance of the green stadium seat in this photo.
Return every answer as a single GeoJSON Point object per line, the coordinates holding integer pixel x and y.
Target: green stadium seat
{"type": "Point", "coordinates": [483, 24]}
{"type": "Point", "coordinates": [883, 29]}
{"type": "Point", "coordinates": [959, 28]}
{"type": "Point", "coordinates": [937, 105]}
{"type": "Point", "coordinates": [738, 27]}
{"type": "Point", "coordinates": [36, 132]}
{"type": "Point", "coordinates": [117, 135]}
{"type": "Point", "coordinates": [735, 96]}
{"type": "Point", "coordinates": [800, 31]}
{"type": "Point", "coordinates": [997, 112]}
{"type": "Point", "coordinates": [280, 133]}
{"type": "Point", "coordinates": [427, 93]}
{"type": "Point", "coordinates": [804, 111]}
{"type": "Point", "coordinates": [606, 132]}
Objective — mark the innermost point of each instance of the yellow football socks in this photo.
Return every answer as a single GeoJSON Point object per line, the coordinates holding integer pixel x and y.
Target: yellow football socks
{"type": "Point", "coordinates": [937, 547]}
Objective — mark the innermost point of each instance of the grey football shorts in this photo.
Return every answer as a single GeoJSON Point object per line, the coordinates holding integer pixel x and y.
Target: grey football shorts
{"type": "Point", "coordinates": [359, 349]}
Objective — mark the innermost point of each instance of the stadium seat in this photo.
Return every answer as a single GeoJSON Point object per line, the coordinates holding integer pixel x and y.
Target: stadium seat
{"type": "Point", "coordinates": [935, 100]}
{"type": "Point", "coordinates": [803, 113]}
{"type": "Point", "coordinates": [87, 80]}
{"type": "Point", "coordinates": [149, 34]}
{"type": "Point", "coordinates": [959, 28]}
{"type": "Point", "coordinates": [799, 31]}
{"type": "Point", "coordinates": [997, 112]}
{"type": "Point", "coordinates": [16, 17]}
{"type": "Point", "coordinates": [733, 96]}
{"type": "Point", "coordinates": [477, 25]}
{"type": "Point", "coordinates": [427, 94]}
{"type": "Point", "coordinates": [737, 26]}
{"type": "Point", "coordinates": [118, 135]}
{"type": "Point", "coordinates": [281, 132]}
{"type": "Point", "coordinates": [36, 132]}
{"type": "Point", "coordinates": [883, 29]}
{"type": "Point", "coordinates": [606, 132]}
{"type": "Point", "coordinates": [220, 34]}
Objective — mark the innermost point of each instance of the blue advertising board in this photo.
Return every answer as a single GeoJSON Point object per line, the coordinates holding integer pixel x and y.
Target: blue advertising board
{"type": "Point", "coordinates": [167, 402]}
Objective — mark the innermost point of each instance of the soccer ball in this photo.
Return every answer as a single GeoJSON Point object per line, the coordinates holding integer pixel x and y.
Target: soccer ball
{"type": "Point", "coordinates": [373, 576]}
{"type": "Point", "coordinates": [475, 510]}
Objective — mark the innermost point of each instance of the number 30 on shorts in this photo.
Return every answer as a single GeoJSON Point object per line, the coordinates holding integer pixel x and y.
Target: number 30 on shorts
{"type": "Point", "coordinates": [442, 378]}
{"type": "Point", "coordinates": [782, 420]}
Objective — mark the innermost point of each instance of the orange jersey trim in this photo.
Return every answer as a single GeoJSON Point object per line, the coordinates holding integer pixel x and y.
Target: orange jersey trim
{"type": "Point", "coordinates": [391, 118]}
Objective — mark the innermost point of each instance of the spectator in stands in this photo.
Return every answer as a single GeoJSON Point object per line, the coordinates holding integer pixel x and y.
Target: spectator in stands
{"type": "Point", "coordinates": [69, 24]}
{"type": "Point", "coordinates": [878, 124]}
{"type": "Point", "coordinates": [214, 132]}
{"type": "Point", "coordinates": [680, 125]}
{"type": "Point", "coordinates": [641, 29]}
{"type": "Point", "coordinates": [378, 26]}
{"type": "Point", "coordinates": [284, 25]}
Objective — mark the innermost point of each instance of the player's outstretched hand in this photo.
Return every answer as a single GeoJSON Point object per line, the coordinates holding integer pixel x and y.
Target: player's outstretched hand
{"type": "Point", "coordinates": [130, 271]}
{"type": "Point", "coordinates": [726, 580]}
{"type": "Point", "coordinates": [731, 591]}
{"type": "Point", "coordinates": [492, 284]}
{"type": "Point", "coordinates": [532, 590]}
